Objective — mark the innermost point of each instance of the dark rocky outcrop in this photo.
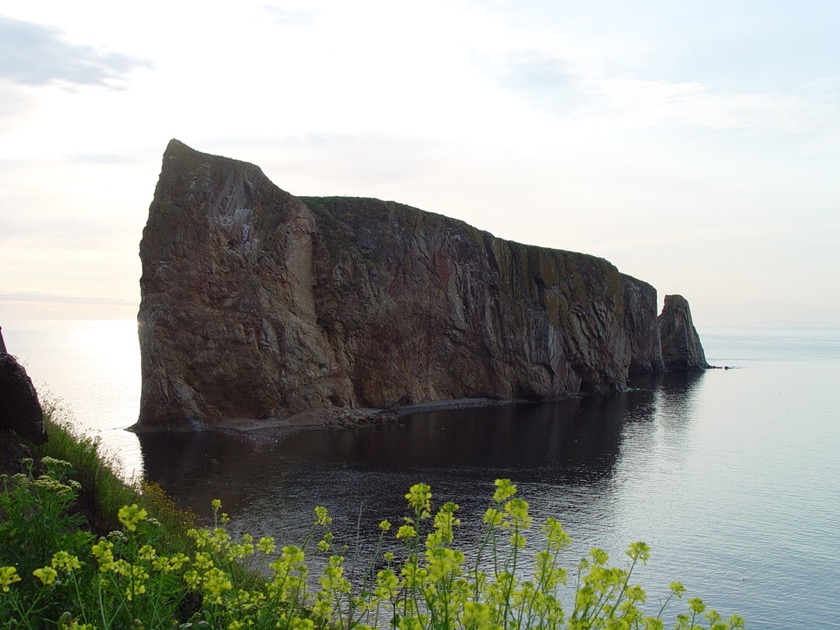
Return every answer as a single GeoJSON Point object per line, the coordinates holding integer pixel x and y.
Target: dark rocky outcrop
{"type": "Point", "coordinates": [258, 304]}
{"type": "Point", "coordinates": [681, 348]}
{"type": "Point", "coordinates": [20, 410]}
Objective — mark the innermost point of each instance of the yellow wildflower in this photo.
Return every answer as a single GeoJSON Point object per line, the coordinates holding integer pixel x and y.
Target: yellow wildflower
{"type": "Point", "coordinates": [8, 576]}
{"type": "Point", "coordinates": [321, 518]}
{"type": "Point", "coordinates": [406, 531]}
{"type": "Point", "coordinates": [147, 553]}
{"type": "Point", "coordinates": [504, 490]}
{"type": "Point", "coordinates": [103, 553]}
{"type": "Point", "coordinates": [266, 545]}
{"type": "Point", "coordinates": [65, 562]}
{"type": "Point", "coordinates": [47, 575]}
{"type": "Point", "coordinates": [420, 498]}
{"type": "Point", "coordinates": [131, 515]}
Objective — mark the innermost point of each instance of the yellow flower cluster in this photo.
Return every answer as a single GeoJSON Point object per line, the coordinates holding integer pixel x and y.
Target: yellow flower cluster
{"type": "Point", "coordinates": [66, 562]}
{"type": "Point", "coordinates": [131, 515]}
{"type": "Point", "coordinates": [429, 586]}
{"type": "Point", "coordinates": [47, 575]}
{"type": "Point", "coordinates": [8, 576]}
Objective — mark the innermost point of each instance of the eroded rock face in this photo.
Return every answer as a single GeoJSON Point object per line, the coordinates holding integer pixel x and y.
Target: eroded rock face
{"type": "Point", "coordinates": [258, 304]}
{"type": "Point", "coordinates": [681, 347]}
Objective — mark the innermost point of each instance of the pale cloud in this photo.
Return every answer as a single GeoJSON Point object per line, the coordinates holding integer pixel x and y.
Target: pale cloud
{"type": "Point", "coordinates": [15, 104]}
{"type": "Point", "coordinates": [349, 164]}
{"type": "Point", "coordinates": [641, 102]}
{"type": "Point", "coordinates": [296, 16]}
{"type": "Point", "coordinates": [33, 54]}
{"type": "Point", "coordinates": [638, 68]}
{"type": "Point", "coordinates": [12, 297]}
{"type": "Point", "coordinates": [568, 83]}
{"type": "Point", "coordinates": [114, 159]}
{"type": "Point", "coordinates": [22, 305]}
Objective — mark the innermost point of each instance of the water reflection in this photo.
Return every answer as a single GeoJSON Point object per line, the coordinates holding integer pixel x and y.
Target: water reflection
{"type": "Point", "coordinates": [565, 453]}
{"type": "Point", "coordinates": [573, 440]}
{"type": "Point", "coordinates": [674, 395]}
{"type": "Point", "coordinates": [196, 468]}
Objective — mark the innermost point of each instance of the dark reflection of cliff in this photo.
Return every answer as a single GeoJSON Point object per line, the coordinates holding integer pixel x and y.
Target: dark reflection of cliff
{"type": "Point", "coordinates": [195, 468]}
{"type": "Point", "coordinates": [571, 442]}
{"type": "Point", "coordinates": [674, 392]}
{"type": "Point", "coordinates": [565, 455]}
{"type": "Point", "coordinates": [660, 431]}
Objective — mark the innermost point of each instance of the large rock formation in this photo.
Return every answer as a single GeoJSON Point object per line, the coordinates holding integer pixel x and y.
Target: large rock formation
{"type": "Point", "coordinates": [258, 304]}
{"type": "Point", "coordinates": [681, 348]}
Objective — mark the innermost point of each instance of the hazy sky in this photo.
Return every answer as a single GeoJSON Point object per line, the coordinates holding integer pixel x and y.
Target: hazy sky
{"type": "Point", "coordinates": [694, 144]}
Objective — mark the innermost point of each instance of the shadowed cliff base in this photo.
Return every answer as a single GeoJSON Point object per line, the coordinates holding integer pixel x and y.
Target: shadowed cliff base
{"type": "Point", "coordinates": [267, 431]}
{"type": "Point", "coordinates": [289, 311]}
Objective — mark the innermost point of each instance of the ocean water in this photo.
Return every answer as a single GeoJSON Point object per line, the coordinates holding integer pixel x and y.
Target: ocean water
{"type": "Point", "coordinates": [732, 476]}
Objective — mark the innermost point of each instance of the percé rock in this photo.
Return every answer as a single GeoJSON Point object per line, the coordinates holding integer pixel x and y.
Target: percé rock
{"type": "Point", "coordinates": [258, 304]}
{"type": "Point", "coordinates": [681, 348]}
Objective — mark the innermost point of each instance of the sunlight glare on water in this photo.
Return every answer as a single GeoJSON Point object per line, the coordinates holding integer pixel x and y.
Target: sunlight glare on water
{"type": "Point", "coordinates": [91, 369]}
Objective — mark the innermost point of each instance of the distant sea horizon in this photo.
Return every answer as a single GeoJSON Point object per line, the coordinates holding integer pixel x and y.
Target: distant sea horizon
{"type": "Point", "coordinates": [732, 476]}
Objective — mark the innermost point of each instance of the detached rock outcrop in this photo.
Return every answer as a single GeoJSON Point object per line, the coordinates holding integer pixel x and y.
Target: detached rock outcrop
{"type": "Point", "coordinates": [258, 304]}
{"type": "Point", "coordinates": [681, 348]}
{"type": "Point", "coordinates": [20, 409]}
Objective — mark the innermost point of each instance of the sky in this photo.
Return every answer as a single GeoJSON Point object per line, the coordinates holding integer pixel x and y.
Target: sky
{"type": "Point", "coordinates": [693, 144]}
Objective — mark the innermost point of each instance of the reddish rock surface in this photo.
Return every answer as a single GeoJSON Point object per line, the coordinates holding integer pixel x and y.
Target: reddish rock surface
{"type": "Point", "coordinates": [260, 305]}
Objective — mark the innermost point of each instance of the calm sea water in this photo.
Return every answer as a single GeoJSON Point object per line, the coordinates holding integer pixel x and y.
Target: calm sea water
{"type": "Point", "coordinates": [731, 476]}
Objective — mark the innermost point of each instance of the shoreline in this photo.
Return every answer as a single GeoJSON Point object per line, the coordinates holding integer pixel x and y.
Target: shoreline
{"type": "Point", "coordinates": [272, 430]}
{"type": "Point", "coordinates": [267, 431]}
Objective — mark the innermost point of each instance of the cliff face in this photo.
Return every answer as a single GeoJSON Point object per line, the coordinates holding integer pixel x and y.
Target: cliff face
{"type": "Point", "coordinates": [681, 347]}
{"type": "Point", "coordinates": [257, 304]}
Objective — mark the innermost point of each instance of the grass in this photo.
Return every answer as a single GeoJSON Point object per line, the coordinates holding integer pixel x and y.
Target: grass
{"type": "Point", "coordinates": [103, 491]}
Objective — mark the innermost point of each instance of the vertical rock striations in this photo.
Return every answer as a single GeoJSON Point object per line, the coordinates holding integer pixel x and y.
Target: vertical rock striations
{"type": "Point", "coordinates": [681, 348]}
{"type": "Point", "coordinates": [258, 304]}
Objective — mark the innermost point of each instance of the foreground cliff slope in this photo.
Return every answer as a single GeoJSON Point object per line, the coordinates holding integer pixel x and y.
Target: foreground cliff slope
{"type": "Point", "coordinates": [258, 304]}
